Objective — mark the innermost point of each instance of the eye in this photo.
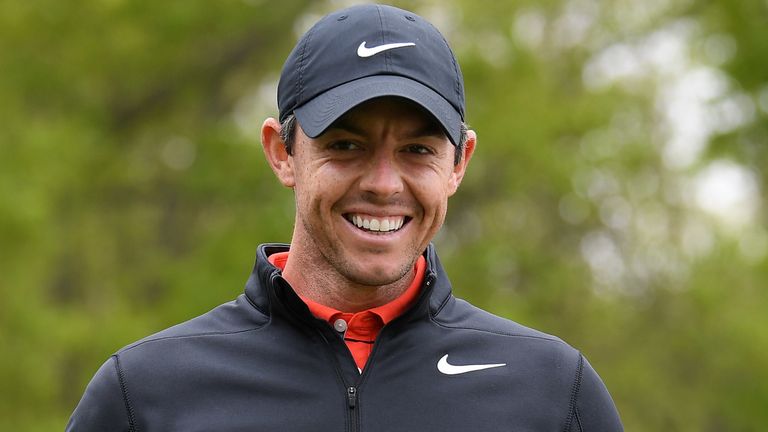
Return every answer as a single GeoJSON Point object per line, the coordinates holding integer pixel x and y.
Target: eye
{"type": "Point", "coordinates": [343, 145]}
{"type": "Point", "coordinates": [419, 149]}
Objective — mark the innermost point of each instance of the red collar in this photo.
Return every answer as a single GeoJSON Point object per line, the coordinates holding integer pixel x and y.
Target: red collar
{"type": "Point", "coordinates": [387, 312]}
{"type": "Point", "coordinates": [360, 329]}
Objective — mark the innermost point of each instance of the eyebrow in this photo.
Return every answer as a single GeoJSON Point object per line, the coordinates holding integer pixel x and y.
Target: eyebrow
{"type": "Point", "coordinates": [433, 129]}
{"type": "Point", "coordinates": [346, 127]}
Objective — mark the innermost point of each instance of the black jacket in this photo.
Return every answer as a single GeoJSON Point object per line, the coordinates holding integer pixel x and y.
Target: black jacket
{"type": "Point", "coordinates": [263, 363]}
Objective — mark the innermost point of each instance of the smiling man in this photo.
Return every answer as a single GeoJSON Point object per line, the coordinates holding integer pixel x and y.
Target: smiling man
{"type": "Point", "coordinates": [353, 325]}
{"type": "Point", "coordinates": [371, 192]}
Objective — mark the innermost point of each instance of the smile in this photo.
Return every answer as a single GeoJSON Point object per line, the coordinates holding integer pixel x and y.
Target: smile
{"type": "Point", "coordinates": [377, 224]}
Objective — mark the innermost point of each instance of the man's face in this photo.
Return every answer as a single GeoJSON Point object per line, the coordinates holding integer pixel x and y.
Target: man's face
{"type": "Point", "coordinates": [372, 191]}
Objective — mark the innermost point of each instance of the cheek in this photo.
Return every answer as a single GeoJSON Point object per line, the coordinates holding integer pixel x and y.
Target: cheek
{"type": "Point", "coordinates": [433, 197]}
{"type": "Point", "coordinates": [318, 189]}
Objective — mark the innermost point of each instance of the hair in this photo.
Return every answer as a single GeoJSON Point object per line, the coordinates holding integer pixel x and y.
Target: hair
{"type": "Point", "coordinates": [288, 135]}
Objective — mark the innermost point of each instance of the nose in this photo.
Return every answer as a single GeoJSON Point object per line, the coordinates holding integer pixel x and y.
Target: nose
{"type": "Point", "coordinates": [382, 177]}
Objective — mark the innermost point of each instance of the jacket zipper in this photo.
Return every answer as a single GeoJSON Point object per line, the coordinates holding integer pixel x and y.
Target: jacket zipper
{"type": "Point", "coordinates": [352, 403]}
{"type": "Point", "coordinates": [352, 390]}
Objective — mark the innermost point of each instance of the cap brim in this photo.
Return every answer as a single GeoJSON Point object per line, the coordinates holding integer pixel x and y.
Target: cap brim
{"type": "Point", "coordinates": [316, 115]}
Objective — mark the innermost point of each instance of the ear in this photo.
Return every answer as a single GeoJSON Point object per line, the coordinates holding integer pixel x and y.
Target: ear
{"type": "Point", "coordinates": [276, 153]}
{"type": "Point", "coordinates": [460, 168]}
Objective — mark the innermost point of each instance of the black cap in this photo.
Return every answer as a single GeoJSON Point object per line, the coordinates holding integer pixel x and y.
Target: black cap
{"type": "Point", "coordinates": [368, 51]}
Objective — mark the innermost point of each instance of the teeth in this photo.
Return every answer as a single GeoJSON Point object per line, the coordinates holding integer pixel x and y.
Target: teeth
{"type": "Point", "coordinates": [378, 225]}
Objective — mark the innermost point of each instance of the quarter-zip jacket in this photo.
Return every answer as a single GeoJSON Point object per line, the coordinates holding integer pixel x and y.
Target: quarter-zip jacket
{"type": "Point", "coordinates": [263, 363]}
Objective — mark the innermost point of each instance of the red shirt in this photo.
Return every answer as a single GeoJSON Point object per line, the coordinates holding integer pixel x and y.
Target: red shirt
{"type": "Point", "coordinates": [360, 329]}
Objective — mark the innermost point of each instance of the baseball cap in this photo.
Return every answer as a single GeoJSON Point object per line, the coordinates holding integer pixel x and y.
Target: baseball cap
{"type": "Point", "coordinates": [363, 52]}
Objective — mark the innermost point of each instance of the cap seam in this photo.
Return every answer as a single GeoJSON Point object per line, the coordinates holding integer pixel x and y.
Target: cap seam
{"type": "Point", "coordinates": [387, 65]}
{"type": "Point", "coordinates": [455, 70]}
{"type": "Point", "coordinates": [302, 67]}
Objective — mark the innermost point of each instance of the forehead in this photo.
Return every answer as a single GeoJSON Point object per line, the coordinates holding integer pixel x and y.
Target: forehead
{"type": "Point", "coordinates": [390, 113]}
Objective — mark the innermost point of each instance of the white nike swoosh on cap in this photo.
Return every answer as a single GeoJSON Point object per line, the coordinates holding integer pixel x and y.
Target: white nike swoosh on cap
{"type": "Point", "coordinates": [449, 369]}
{"type": "Point", "coordinates": [364, 51]}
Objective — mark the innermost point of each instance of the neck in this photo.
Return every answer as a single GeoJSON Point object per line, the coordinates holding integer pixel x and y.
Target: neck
{"type": "Point", "coordinates": [328, 287]}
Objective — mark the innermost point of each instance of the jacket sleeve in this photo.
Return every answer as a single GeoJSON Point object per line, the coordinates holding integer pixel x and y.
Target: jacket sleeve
{"type": "Point", "coordinates": [103, 406]}
{"type": "Point", "coordinates": [593, 408]}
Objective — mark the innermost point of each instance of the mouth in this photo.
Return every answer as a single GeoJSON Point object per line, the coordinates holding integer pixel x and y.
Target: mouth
{"type": "Point", "coordinates": [378, 224]}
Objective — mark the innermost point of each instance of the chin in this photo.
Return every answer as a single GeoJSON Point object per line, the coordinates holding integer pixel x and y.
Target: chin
{"type": "Point", "coordinates": [378, 276]}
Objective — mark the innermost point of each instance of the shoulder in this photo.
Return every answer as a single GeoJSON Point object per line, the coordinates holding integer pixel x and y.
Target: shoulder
{"type": "Point", "coordinates": [541, 360]}
{"type": "Point", "coordinates": [460, 314]}
{"type": "Point", "coordinates": [149, 368]}
{"type": "Point", "coordinates": [104, 403]}
{"type": "Point", "coordinates": [230, 318]}
{"type": "Point", "coordinates": [545, 362]}
{"type": "Point", "coordinates": [192, 345]}
{"type": "Point", "coordinates": [544, 359]}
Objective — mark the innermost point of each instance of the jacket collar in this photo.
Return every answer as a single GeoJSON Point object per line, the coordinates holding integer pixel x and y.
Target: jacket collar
{"type": "Point", "coordinates": [266, 286]}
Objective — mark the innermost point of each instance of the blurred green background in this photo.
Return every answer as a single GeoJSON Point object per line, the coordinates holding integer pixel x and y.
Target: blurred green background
{"type": "Point", "coordinates": [615, 199]}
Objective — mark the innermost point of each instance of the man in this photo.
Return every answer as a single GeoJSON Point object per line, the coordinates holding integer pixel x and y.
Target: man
{"type": "Point", "coordinates": [353, 326]}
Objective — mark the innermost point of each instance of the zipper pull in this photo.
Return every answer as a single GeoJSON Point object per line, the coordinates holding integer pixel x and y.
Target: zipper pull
{"type": "Point", "coordinates": [352, 397]}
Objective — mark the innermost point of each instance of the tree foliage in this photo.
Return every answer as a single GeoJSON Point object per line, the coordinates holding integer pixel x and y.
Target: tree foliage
{"type": "Point", "coordinates": [615, 198]}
